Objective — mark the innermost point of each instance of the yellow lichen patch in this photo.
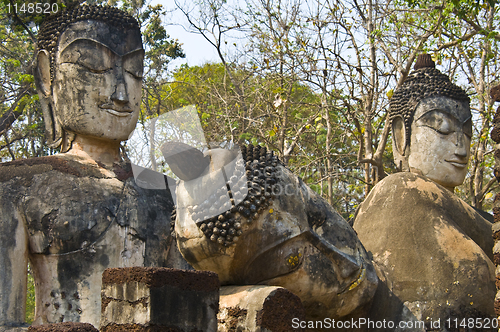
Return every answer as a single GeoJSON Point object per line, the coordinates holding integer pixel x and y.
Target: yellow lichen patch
{"type": "Point", "coordinates": [360, 278]}
{"type": "Point", "coordinates": [271, 211]}
{"type": "Point", "coordinates": [293, 260]}
{"type": "Point", "coordinates": [428, 189]}
{"type": "Point", "coordinates": [455, 244]}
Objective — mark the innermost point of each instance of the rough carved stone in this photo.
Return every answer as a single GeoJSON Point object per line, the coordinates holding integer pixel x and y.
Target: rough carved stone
{"type": "Point", "coordinates": [75, 214]}
{"type": "Point", "coordinates": [420, 85]}
{"type": "Point", "coordinates": [432, 251]}
{"type": "Point", "coordinates": [63, 327]}
{"type": "Point", "coordinates": [258, 309]}
{"type": "Point", "coordinates": [286, 235]}
{"type": "Point", "coordinates": [159, 299]}
{"type": "Point", "coordinates": [79, 220]}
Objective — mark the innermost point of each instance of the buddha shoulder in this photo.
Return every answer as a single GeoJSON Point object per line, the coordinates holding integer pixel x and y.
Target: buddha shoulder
{"type": "Point", "coordinates": [407, 201]}
{"type": "Point", "coordinates": [25, 171]}
{"type": "Point", "coordinates": [405, 192]}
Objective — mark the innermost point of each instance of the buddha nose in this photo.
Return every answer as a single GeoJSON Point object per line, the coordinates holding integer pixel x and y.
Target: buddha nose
{"type": "Point", "coordinates": [120, 95]}
{"type": "Point", "coordinates": [460, 145]}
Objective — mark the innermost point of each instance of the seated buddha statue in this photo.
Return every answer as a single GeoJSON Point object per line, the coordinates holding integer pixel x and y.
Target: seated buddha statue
{"type": "Point", "coordinates": [432, 251]}
{"type": "Point", "coordinates": [74, 214]}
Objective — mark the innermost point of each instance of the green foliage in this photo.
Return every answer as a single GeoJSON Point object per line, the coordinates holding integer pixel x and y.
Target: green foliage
{"type": "Point", "coordinates": [223, 113]}
{"type": "Point", "coordinates": [25, 16]}
{"type": "Point", "coordinates": [160, 49]}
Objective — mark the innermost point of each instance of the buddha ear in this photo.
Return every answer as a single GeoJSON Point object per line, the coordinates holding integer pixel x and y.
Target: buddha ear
{"type": "Point", "coordinates": [54, 131]}
{"type": "Point", "coordinates": [399, 135]}
{"type": "Point", "coordinates": [42, 72]}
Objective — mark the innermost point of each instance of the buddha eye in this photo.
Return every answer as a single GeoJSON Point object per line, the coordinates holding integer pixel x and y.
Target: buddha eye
{"type": "Point", "coordinates": [467, 128]}
{"type": "Point", "coordinates": [133, 63]}
{"type": "Point", "coordinates": [137, 74]}
{"type": "Point", "coordinates": [92, 56]}
{"type": "Point", "coordinates": [97, 63]}
{"type": "Point", "coordinates": [98, 70]}
{"type": "Point", "coordinates": [444, 128]}
{"type": "Point", "coordinates": [437, 121]}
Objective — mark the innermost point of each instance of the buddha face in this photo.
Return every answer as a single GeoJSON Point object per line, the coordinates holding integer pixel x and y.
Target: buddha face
{"type": "Point", "coordinates": [96, 90]}
{"type": "Point", "coordinates": [440, 140]}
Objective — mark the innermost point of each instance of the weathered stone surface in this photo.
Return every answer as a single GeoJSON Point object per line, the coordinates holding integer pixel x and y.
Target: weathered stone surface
{"type": "Point", "coordinates": [295, 240]}
{"type": "Point", "coordinates": [63, 327]}
{"type": "Point", "coordinates": [440, 140]}
{"type": "Point", "coordinates": [496, 225]}
{"type": "Point", "coordinates": [74, 77]}
{"type": "Point", "coordinates": [432, 251]}
{"type": "Point", "coordinates": [425, 82]}
{"type": "Point", "coordinates": [76, 226]}
{"type": "Point", "coordinates": [75, 214]}
{"type": "Point", "coordinates": [151, 299]}
{"type": "Point", "coordinates": [258, 308]}
{"type": "Point", "coordinates": [497, 164]}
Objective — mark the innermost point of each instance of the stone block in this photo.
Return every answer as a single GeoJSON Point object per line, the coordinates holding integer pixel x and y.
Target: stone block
{"type": "Point", "coordinates": [258, 309]}
{"type": "Point", "coordinates": [63, 327]}
{"type": "Point", "coordinates": [159, 299]}
{"type": "Point", "coordinates": [495, 93]}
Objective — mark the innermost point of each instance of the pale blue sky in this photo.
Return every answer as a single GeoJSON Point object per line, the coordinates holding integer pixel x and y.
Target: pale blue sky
{"type": "Point", "coordinates": [197, 49]}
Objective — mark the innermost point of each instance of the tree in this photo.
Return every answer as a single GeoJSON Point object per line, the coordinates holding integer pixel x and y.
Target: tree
{"type": "Point", "coordinates": [352, 55]}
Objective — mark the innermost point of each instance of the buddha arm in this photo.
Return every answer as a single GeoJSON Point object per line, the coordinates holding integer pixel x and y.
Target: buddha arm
{"type": "Point", "coordinates": [13, 263]}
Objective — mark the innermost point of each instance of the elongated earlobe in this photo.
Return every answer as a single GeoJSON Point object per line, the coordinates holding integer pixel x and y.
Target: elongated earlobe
{"type": "Point", "coordinates": [399, 135]}
{"type": "Point", "coordinates": [43, 72]}
{"type": "Point", "coordinates": [43, 83]}
{"type": "Point", "coordinates": [399, 143]}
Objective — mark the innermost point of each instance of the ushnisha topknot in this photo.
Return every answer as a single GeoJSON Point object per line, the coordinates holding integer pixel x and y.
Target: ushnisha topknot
{"type": "Point", "coordinates": [424, 61]}
{"type": "Point", "coordinates": [54, 25]}
{"type": "Point", "coordinates": [425, 81]}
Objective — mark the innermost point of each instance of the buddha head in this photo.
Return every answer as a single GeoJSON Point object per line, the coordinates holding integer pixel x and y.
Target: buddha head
{"type": "Point", "coordinates": [431, 125]}
{"type": "Point", "coordinates": [88, 72]}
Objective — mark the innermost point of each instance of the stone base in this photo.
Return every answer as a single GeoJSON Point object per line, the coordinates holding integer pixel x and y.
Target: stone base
{"type": "Point", "coordinates": [258, 309]}
{"type": "Point", "coordinates": [159, 299]}
{"type": "Point", "coordinates": [63, 327]}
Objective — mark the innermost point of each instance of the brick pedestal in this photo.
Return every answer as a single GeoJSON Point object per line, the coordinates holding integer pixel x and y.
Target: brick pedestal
{"type": "Point", "coordinates": [63, 327]}
{"type": "Point", "coordinates": [159, 299]}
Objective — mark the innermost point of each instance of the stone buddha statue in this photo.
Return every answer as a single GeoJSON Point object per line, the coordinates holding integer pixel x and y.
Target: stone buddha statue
{"type": "Point", "coordinates": [431, 250]}
{"type": "Point", "coordinates": [245, 216]}
{"type": "Point", "coordinates": [76, 213]}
